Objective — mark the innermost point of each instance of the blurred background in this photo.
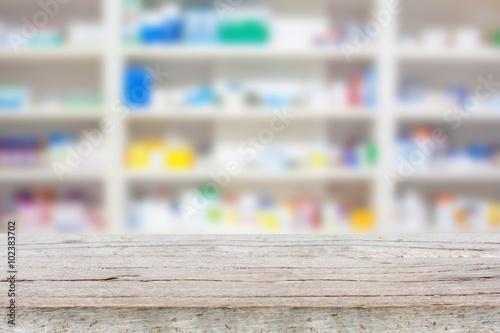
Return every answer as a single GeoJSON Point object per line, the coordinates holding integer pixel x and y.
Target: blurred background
{"type": "Point", "coordinates": [244, 116]}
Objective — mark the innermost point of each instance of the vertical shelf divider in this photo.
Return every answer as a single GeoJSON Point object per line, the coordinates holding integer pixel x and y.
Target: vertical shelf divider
{"type": "Point", "coordinates": [385, 123]}
{"type": "Point", "coordinates": [115, 189]}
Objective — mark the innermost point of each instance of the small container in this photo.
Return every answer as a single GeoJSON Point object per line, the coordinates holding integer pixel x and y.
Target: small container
{"type": "Point", "coordinates": [249, 25]}
{"type": "Point", "coordinates": [85, 33]}
{"type": "Point", "coordinates": [467, 39]}
{"type": "Point", "coordinates": [171, 25]}
{"type": "Point", "coordinates": [29, 211]}
{"type": "Point", "coordinates": [56, 147]}
{"type": "Point", "coordinates": [331, 217]}
{"type": "Point", "coordinates": [443, 213]}
{"type": "Point", "coordinates": [247, 205]}
{"type": "Point", "coordinates": [413, 212]}
{"type": "Point", "coordinates": [362, 220]}
{"type": "Point", "coordinates": [46, 37]}
{"type": "Point", "coordinates": [421, 136]}
{"type": "Point", "coordinates": [307, 215]}
{"type": "Point", "coordinates": [339, 94]}
{"type": "Point", "coordinates": [150, 31]}
{"type": "Point", "coordinates": [179, 155]}
{"type": "Point", "coordinates": [137, 156]}
{"type": "Point", "coordinates": [200, 26]}
{"type": "Point", "coordinates": [70, 214]}
{"type": "Point", "coordinates": [493, 215]}
{"type": "Point", "coordinates": [436, 39]}
{"type": "Point", "coordinates": [14, 98]}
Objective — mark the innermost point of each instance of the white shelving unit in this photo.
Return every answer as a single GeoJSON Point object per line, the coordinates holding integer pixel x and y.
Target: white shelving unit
{"type": "Point", "coordinates": [260, 55]}
{"type": "Point", "coordinates": [114, 56]}
{"type": "Point", "coordinates": [53, 69]}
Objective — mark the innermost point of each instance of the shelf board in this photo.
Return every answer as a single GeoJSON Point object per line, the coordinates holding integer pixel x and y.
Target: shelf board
{"type": "Point", "coordinates": [45, 174]}
{"type": "Point", "coordinates": [303, 175]}
{"type": "Point", "coordinates": [176, 227]}
{"type": "Point", "coordinates": [450, 54]}
{"type": "Point", "coordinates": [238, 52]}
{"type": "Point", "coordinates": [53, 53]}
{"type": "Point", "coordinates": [456, 175]}
{"type": "Point", "coordinates": [52, 116]}
{"type": "Point", "coordinates": [252, 114]}
{"type": "Point", "coordinates": [437, 115]}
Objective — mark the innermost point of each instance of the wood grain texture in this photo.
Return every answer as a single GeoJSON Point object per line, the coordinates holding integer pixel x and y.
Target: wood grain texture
{"type": "Point", "coordinates": [260, 320]}
{"type": "Point", "coordinates": [287, 282]}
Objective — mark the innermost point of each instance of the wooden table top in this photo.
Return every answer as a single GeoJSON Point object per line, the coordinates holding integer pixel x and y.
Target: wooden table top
{"type": "Point", "coordinates": [178, 275]}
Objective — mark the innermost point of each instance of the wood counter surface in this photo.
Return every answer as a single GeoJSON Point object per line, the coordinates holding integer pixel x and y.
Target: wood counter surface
{"type": "Point", "coordinates": [255, 283]}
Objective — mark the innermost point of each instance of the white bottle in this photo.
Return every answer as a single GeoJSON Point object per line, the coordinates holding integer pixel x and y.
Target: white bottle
{"type": "Point", "coordinates": [443, 213]}
{"type": "Point", "coordinates": [331, 218]}
{"type": "Point", "coordinates": [70, 214]}
{"type": "Point", "coordinates": [414, 212]}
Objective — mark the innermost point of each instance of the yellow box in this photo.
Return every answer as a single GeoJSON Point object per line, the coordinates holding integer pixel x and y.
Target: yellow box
{"type": "Point", "coordinates": [362, 220]}
{"type": "Point", "coordinates": [179, 159]}
{"type": "Point", "coordinates": [137, 156]}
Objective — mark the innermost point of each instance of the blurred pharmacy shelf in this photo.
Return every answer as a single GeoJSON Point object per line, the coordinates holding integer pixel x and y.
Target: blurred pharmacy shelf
{"type": "Point", "coordinates": [197, 65]}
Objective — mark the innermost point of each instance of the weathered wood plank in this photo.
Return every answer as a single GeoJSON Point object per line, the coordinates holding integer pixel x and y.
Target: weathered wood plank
{"type": "Point", "coordinates": [261, 320]}
{"type": "Point", "coordinates": [258, 270]}
{"type": "Point", "coordinates": [296, 281]}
